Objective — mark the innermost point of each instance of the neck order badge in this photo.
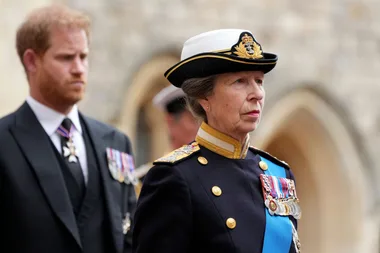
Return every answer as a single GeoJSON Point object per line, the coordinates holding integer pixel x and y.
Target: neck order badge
{"type": "Point", "coordinates": [68, 148]}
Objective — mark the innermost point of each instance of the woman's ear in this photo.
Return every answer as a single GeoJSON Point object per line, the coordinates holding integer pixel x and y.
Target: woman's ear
{"type": "Point", "coordinates": [205, 104]}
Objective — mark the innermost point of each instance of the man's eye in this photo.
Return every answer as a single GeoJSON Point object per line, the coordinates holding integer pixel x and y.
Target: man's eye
{"type": "Point", "coordinates": [67, 57]}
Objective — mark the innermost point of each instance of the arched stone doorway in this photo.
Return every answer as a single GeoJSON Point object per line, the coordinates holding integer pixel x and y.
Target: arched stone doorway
{"type": "Point", "coordinates": [139, 119]}
{"type": "Point", "coordinates": [309, 135]}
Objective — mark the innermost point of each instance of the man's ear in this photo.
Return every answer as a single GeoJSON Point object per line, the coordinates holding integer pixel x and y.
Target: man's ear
{"type": "Point", "coordinates": [30, 59]}
{"type": "Point", "coordinates": [169, 119]}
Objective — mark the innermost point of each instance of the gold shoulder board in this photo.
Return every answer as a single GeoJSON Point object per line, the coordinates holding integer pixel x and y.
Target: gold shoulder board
{"type": "Point", "coordinates": [179, 154]}
{"type": "Point", "coordinates": [270, 157]}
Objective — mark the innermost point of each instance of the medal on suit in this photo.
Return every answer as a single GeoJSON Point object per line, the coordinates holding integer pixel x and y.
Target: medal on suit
{"type": "Point", "coordinates": [126, 223]}
{"type": "Point", "coordinates": [70, 151]}
{"type": "Point", "coordinates": [121, 166]}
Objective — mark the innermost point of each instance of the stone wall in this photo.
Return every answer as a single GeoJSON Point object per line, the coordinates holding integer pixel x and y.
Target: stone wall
{"type": "Point", "coordinates": [330, 47]}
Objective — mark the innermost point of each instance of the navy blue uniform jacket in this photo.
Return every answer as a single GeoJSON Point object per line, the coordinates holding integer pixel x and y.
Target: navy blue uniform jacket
{"type": "Point", "coordinates": [197, 200]}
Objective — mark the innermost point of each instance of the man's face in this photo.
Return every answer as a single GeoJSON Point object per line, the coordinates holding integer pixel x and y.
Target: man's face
{"type": "Point", "coordinates": [61, 72]}
{"type": "Point", "coordinates": [182, 129]}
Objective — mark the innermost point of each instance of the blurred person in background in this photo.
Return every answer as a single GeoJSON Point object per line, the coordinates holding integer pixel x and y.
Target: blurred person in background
{"type": "Point", "coordinates": [219, 194]}
{"type": "Point", "coordinates": [181, 124]}
{"type": "Point", "coordinates": [62, 188]}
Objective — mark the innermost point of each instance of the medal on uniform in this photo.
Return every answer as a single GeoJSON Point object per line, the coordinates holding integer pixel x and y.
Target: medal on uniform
{"type": "Point", "coordinates": [280, 196]}
{"type": "Point", "coordinates": [280, 200]}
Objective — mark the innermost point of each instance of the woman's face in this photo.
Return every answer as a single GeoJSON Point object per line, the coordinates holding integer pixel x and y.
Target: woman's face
{"type": "Point", "coordinates": [236, 104]}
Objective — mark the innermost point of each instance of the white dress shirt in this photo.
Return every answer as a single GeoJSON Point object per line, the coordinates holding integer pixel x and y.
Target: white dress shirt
{"type": "Point", "coordinates": [50, 120]}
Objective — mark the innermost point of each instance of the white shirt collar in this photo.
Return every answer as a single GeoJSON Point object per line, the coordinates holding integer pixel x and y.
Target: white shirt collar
{"type": "Point", "coordinates": [51, 119]}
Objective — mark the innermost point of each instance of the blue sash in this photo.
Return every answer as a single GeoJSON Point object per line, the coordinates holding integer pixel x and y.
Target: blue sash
{"type": "Point", "coordinates": [278, 229]}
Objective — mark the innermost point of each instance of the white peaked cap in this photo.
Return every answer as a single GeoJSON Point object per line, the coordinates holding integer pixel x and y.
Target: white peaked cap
{"type": "Point", "coordinates": [217, 52]}
{"type": "Point", "coordinates": [213, 41]}
{"type": "Point", "coordinates": [167, 95]}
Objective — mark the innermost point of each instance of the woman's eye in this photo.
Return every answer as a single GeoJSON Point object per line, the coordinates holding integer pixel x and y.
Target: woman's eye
{"type": "Point", "coordinates": [240, 80]}
{"type": "Point", "coordinates": [259, 81]}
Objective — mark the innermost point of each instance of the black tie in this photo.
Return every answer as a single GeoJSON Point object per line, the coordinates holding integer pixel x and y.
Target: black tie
{"type": "Point", "coordinates": [71, 158]}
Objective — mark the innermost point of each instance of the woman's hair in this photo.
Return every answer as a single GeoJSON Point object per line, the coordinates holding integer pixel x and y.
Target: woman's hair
{"type": "Point", "coordinates": [195, 89]}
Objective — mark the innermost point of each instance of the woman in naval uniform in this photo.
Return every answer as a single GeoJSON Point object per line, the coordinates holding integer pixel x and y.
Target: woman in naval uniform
{"type": "Point", "coordinates": [219, 194]}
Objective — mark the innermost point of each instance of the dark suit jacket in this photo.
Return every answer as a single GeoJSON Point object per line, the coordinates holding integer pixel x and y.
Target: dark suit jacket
{"type": "Point", "coordinates": [35, 209]}
{"type": "Point", "coordinates": [177, 211]}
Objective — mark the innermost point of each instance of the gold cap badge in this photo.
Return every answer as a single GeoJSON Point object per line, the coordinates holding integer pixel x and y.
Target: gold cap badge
{"type": "Point", "coordinates": [247, 47]}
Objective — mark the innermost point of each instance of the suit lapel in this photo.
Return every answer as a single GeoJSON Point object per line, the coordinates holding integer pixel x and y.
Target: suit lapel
{"type": "Point", "coordinates": [112, 189]}
{"type": "Point", "coordinates": [35, 144]}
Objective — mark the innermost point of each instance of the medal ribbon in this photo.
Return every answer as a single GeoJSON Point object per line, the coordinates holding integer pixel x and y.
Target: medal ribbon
{"type": "Point", "coordinates": [64, 132]}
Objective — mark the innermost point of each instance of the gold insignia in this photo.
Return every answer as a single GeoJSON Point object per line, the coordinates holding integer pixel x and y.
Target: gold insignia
{"type": "Point", "coordinates": [179, 154]}
{"type": "Point", "coordinates": [216, 191]}
{"type": "Point", "coordinates": [248, 48]}
{"type": "Point", "coordinates": [231, 223]}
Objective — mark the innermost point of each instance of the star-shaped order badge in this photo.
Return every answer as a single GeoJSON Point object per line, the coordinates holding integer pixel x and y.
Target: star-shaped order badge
{"type": "Point", "coordinates": [70, 152]}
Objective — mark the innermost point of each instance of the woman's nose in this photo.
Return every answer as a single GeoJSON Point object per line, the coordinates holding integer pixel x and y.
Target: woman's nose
{"type": "Point", "coordinates": [256, 92]}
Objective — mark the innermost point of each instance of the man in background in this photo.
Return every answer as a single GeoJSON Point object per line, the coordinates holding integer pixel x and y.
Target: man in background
{"type": "Point", "coordinates": [181, 124]}
{"type": "Point", "coordinates": [64, 186]}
